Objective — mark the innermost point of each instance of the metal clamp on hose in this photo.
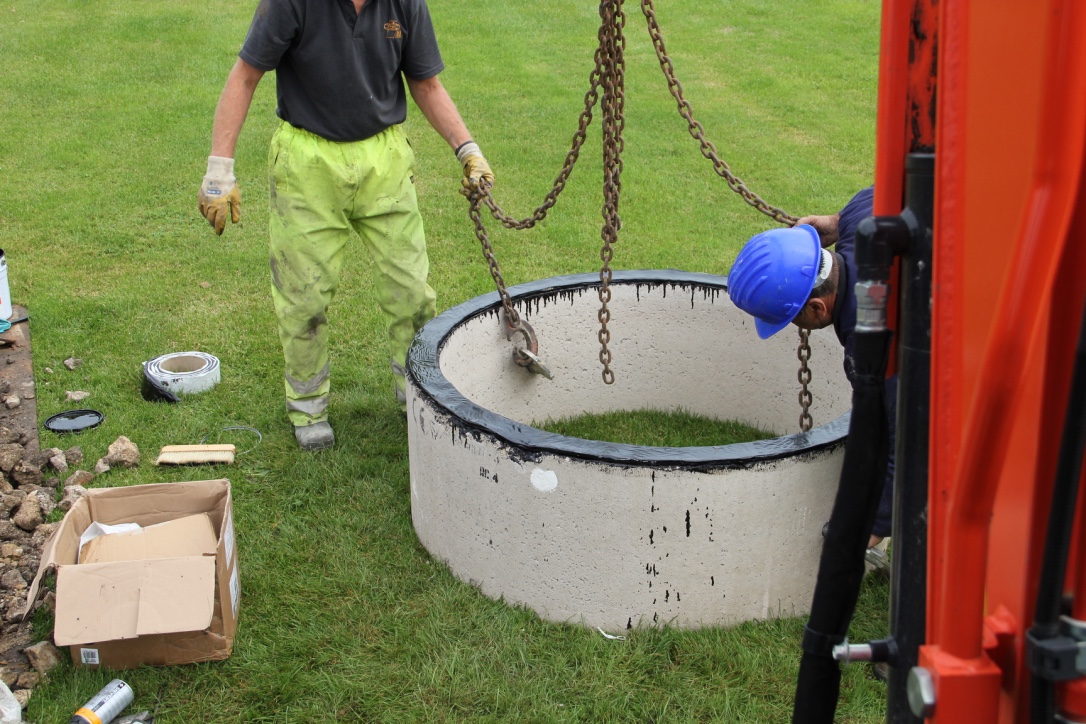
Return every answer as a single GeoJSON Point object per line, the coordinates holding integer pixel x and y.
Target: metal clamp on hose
{"type": "Point", "coordinates": [180, 373]}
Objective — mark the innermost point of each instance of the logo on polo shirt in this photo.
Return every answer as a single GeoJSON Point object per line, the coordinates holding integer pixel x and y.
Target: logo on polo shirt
{"type": "Point", "coordinates": [393, 31]}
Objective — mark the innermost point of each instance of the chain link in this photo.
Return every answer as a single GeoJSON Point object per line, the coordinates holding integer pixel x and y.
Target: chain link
{"type": "Point", "coordinates": [612, 77]}
{"type": "Point", "coordinates": [698, 131]}
{"type": "Point", "coordinates": [609, 74]}
{"type": "Point", "coordinates": [805, 399]}
{"type": "Point", "coordinates": [475, 196]}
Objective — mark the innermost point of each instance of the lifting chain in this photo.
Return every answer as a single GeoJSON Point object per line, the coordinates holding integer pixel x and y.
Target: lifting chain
{"type": "Point", "coordinates": [609, 73]}
{"type": "Point", "coordinates": [804, 376]}
{"type": "Point", "coordinates": [698, 132]}
{"type": "Point", "coordinates": [613, 79]}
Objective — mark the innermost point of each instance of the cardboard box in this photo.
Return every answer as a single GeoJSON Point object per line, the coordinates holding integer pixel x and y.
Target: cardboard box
{"type": "Point", "coordinates": [136, 601]}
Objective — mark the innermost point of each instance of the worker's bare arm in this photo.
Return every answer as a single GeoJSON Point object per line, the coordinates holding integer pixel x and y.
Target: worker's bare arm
{"type": "Point", "coordinates": [434, 102]}
{"type": "Point", "coordinates": [237, 96]}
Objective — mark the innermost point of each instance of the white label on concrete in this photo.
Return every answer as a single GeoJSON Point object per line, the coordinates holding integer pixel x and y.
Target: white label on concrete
{"type": "Point", "coordinates": [544, 480]}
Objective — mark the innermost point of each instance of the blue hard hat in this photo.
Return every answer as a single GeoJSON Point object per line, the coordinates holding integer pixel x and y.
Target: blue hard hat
{"type": "Point", "coordinates": [773, 276]}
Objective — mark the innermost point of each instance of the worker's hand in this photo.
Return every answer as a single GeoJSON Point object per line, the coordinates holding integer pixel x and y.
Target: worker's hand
{"type": "Point", "coordinates": [219, 193]}
{"type": "Point", "coordinates": [826, 226]}
{"type": "Point", "coordinates": [477, 173]}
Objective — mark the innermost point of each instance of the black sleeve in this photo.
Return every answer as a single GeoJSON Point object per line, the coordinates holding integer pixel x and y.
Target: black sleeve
{"type": "Point", "coordinates": [421, 58]}
{"type": "Point", "coordinates": [275, 25]}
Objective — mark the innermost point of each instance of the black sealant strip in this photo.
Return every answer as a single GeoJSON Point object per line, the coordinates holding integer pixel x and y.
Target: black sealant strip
{"type": "Point", "coordinates": [425, 370]}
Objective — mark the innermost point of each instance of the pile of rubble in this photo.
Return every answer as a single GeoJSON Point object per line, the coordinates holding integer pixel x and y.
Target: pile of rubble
{"type": "Point", "coordinates": [31, 489]}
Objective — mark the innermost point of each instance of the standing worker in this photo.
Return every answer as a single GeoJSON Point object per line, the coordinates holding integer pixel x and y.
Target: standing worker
{"type": "Point", "coordinates": [789, 276]}
{"type": "Point", "coordinates": [339, 159]}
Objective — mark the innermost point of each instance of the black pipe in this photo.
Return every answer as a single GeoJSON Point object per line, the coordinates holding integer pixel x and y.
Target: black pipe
{"type": "Point", "coordinates": [908, 587]}
{"type": "Point", "coordinates": [841, 565]}
{"type": "Point", "coordinates": [1050, 654]}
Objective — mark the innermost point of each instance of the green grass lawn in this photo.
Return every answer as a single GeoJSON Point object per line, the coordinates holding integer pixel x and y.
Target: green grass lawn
{"type": "Point", "coordinates": [658, 428]}
{"type": "Point", "coordinates": [105, 121]}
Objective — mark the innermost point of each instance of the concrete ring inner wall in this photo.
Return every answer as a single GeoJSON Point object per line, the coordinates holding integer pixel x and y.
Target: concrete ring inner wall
{"type": "Point", "coordinates": [609, 534]}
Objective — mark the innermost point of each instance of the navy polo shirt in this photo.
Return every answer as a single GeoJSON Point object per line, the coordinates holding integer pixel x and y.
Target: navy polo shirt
{"type": "Point", "coordinates": [338, 73]}
{"type": "Point", "coordinates": [844, 309]}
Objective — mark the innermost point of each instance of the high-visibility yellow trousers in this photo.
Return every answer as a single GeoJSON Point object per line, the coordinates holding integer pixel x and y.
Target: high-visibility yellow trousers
{"type": "Point", "coordinates": [320, 191]}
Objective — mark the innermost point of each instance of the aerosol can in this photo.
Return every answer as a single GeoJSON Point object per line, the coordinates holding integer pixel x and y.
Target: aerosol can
{"type": "Point", "coordinates": [105, 705]}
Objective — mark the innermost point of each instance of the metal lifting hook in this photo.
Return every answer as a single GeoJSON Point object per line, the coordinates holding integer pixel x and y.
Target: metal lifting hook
{"type": "Point", "coordinates": [529, 355]}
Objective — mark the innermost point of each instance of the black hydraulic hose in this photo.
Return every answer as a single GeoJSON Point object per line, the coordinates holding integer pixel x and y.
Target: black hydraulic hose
{"type": "Point", "coordinates": [841, 567]}
{"type": "Point", "coordinates": [1061, 520]}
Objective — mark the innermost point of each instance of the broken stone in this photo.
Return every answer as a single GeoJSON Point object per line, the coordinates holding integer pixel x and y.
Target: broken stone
{"type": "Point", "coordinates": [48, 370]}
{"type": "Point", "coordinates": [7, 435]}
{"type": "Point", "coordinates": [12, 580]}
{"type": "Point", "coordinates": [123, 453]}
{"type": "Point", "coordinates": [76, 396]}
{"type": "Point", "coordinates": [26, 473]}
{"type": "Point", "coordinates": [39, 459]}
{"type": "Point", "coordinates": [12, 401]}
{"type": "Point", "coordinates": [29, 516]}
{"type": "Point", "coordinates": [46, 501]}
{"type": "Point", "coordinates": [78, 478]}
{"type": "Point", "coordinates": [28, 680]}
{"type": "Point", "coordinates": [74, 455]}
{"type": "Point", "coordinates": [51, 482]}
{"type": "Point", "coordinates": [41, 535]}
{"type": "Point", "coordinates": [48, 602]}
{"type": "Point", "coordinates": [9, 677]}
{"type": "Point", "coordinates": [22, 695]}
{"type": "Point", "coordinates": [5, 486]}
{"type": "Point", "coordinates": [9, 503]}
{"type": "Point", "coordinates": [10, 531]}
{"type": "Point", "coordinates": [101, 466]}
{"type": "Point", "coordinates": [59, 463]}
{"type": "Point", "coordinates": [72, 362]}
{"type": "Point", "coordinates": [10, 453]}
{"type": "Point", "coordinates": [72, 493]}
{"type": "Point", "coordinates": [44, 657]}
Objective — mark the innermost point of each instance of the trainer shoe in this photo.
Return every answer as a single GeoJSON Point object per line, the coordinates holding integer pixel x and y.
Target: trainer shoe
{"type": "Point", "coordinates": [317, 436]}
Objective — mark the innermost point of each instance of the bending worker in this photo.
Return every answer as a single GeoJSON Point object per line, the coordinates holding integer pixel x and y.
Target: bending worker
{"type": "Point", "coordinates": [812, 287]}
{"type": "Point", "coordinates": [340, 160]}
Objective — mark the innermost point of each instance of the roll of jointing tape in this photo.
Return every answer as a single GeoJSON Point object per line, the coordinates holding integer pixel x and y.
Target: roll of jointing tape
{"type": "Point", "coordinates": [183, 373]}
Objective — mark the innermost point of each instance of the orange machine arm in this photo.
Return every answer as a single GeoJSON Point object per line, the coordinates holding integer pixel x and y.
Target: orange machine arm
{"type": "Point", "coordinates": [1010, 280]}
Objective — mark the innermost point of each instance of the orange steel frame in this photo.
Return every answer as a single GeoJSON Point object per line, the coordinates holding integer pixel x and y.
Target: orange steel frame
{"type": "Point", "coordinates": [1009, 285]}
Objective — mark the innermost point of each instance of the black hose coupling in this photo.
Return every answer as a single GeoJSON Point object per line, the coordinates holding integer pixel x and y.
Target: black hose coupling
{"type": "Point", "coordinates": [878, 240]}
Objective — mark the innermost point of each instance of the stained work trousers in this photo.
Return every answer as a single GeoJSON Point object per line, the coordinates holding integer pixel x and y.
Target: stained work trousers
{"type": "Point", "coordinates": [320, 190]}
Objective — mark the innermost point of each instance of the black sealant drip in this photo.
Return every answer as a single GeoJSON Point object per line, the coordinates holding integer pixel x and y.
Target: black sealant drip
{"type": "Point", "coordinates": [688, 524]}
